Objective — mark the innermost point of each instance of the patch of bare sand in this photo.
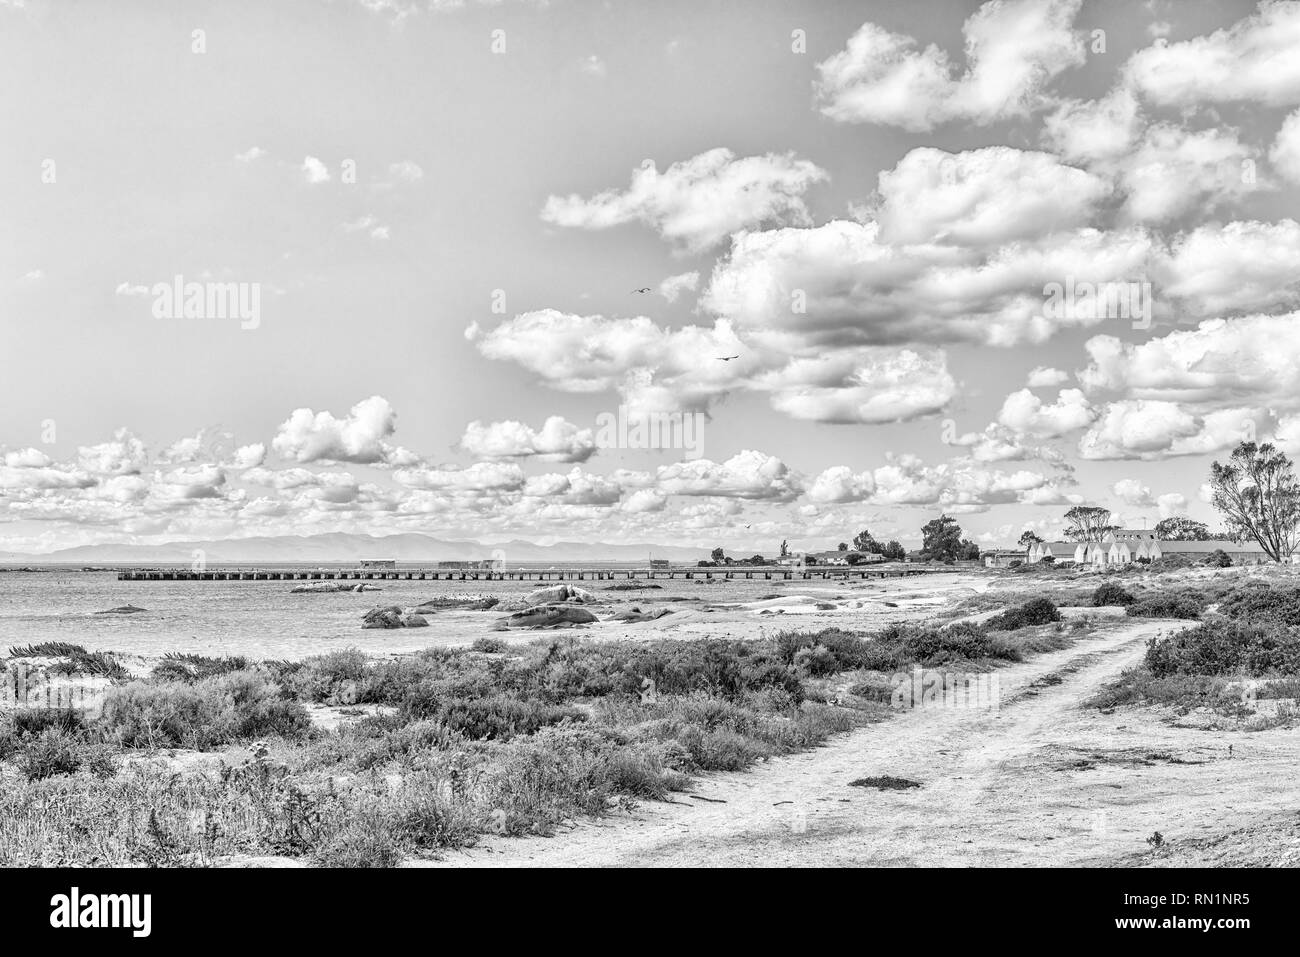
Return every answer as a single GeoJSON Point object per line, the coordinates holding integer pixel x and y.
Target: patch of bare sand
{"type": "Point", "coordinates": [1270, 841]}
{"type": "Point", "coordinates": [1038, 781]}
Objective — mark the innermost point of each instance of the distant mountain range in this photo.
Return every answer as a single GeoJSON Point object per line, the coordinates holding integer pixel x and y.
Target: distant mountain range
{"type": "Point", "coordinates": [346, 547]}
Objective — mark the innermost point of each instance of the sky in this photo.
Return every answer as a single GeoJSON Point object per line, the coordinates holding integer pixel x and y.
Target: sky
{"type": "Point", "coordinates": [438, 216]}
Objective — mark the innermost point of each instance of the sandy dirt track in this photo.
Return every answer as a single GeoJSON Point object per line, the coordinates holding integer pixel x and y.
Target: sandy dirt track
{"type": "Point", "coordinates": [1037, 781]}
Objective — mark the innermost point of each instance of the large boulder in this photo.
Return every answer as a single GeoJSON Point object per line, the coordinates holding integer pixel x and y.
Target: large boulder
{"type": "Point", "coordinates": [547, 616]}
{"type": "Point", "coordinates": [556, 593]}
{"type": "Point", "coordinates": [313, 588]}
{"type": "Point", "coordinates": [389, 617]}
{"type": "Point", "coordinates": [393, 616]}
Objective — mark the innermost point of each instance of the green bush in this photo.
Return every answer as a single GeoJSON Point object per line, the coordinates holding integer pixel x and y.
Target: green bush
{"type": "Point", "coordinates": [368, 838]}
{"type": "Point", "coordinates": [1225, 647]}
{"type": "Point", "coordinates": [184, 667]}
{"type": "Point", "coordinates": [1278, 605]}
{"type": "Point", "coordinates": [329, 676]}
{"type": "Point", "coordinates": [1111, 593]}
{"type": "Point", "coordinates": [238, 706]}
{"type": "Point", "coordinates": [847, 651]}
{"type": "Point", "coordinates": [46, 649]}
{"type": "Point", "coordinates": [1166, 605]}
{"type": "Point", "coordinates": [99, 664]}
{"type": "Point", "coordinates": [30, 721]}
{"type": "Point", "coordinates": [76, 659]}
{"type": "Point", "coordinates": [729, 669]}
{"type": "Point", "coordinates": [1138, 686]}
{"type": "Point", "coordinates": [874, 687]}
{"type": "Point", "coordinates": [57, 751]}
{"type": "Point", "coordinates": [1036, 611]}
{"type": "Point", "coordinates": [899, 646]}
{"type": "Point", "coordinates": [498, 716]}
{"type": "Point", "coordinates": [816, 661]}
{"type": "Point", "coordinates": [1281, 688]}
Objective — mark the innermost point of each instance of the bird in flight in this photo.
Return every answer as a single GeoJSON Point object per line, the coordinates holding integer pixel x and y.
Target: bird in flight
{"type": "Point", "coordinates": [726, 358]}
{"type": "Point", "coordinates": [642, 289]}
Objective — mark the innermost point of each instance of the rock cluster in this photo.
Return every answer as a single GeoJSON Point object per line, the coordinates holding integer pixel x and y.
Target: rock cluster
{"type": "Point", "coordinates": [393, 616]}
{"type": "Point", "coordinates": [552, 615]}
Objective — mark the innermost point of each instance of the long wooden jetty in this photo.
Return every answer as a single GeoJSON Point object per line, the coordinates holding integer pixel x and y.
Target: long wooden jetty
{"type": "Point", "coordinates": [786, 573]}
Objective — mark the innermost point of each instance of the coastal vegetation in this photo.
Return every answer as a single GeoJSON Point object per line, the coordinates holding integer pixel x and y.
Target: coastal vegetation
{"type": "Point", "coordinates": [205, 760]}
{"type": "Point", "coordinates": [1246, 647]}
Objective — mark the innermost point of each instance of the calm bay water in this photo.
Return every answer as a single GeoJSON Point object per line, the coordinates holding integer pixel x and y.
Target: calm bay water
{"type": "Point", "coordinates": [263, 619]}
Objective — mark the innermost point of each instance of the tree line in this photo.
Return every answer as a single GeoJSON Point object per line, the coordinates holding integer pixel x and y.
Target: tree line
{"type": "Point", "coordinates": [941, 541]}
{"type": "Point", "coordinates": [1256, 493]}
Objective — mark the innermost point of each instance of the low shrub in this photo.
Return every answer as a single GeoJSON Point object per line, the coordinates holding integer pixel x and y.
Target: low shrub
{"type": "Point", "coordinates": [1036, 611]}
{"type": "Point", "coordinates": [816, 661]}
{"type": "Point", "coordinates": [430, 812]}
{"type": "Point", "coordinates": [30, 721]}
{"type": "Point", "coordinates": [367, 838]}
{"type": "Point", "coordinates": [185, 667]}
{"type": "Point", "coordinates": [58, 751]}
{"type": "Point", "coordinates": [900, 646]}
{"type": "Point", "coordinates": [1226, 647]}
{"type": "Point", "coordinates": [1138, 686]}
{"type": "Point", "coordinates": [334, 677]}
{"type": "Point", "coordinates": [1281, 688]}
{"type": "Point", "coordinates": [100, 664]}
{"type": "Point", "coordinates": [75, 659]}
{"type": "Point", "coordinates": [1166, 605]}
{"type": "Point", "coordinates": [498, 717]}
{"type": "Point", "coordinates": [238, 706]}
{"type": "Point", "coordinates": [1112, 593]}
{"type": "Point", "coordinates": [46, 649]}
{"type": "Point", "coordinates": [1278, 605]}
{"type": "Point", "coordinates": [874, 687]}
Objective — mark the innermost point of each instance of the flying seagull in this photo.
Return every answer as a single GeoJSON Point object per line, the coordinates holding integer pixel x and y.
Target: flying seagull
{"type": "Point", "coordinates": [726, 358]}
{"type": "Point", "coordinates": [642, 289]}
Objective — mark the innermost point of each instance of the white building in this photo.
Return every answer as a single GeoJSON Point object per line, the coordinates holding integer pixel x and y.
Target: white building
{"type": "Point", "coordinates": [1127, 545]}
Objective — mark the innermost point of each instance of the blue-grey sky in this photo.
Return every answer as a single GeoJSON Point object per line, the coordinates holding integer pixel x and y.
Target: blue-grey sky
{"type": "Point", "coordinates": [444, 209]}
